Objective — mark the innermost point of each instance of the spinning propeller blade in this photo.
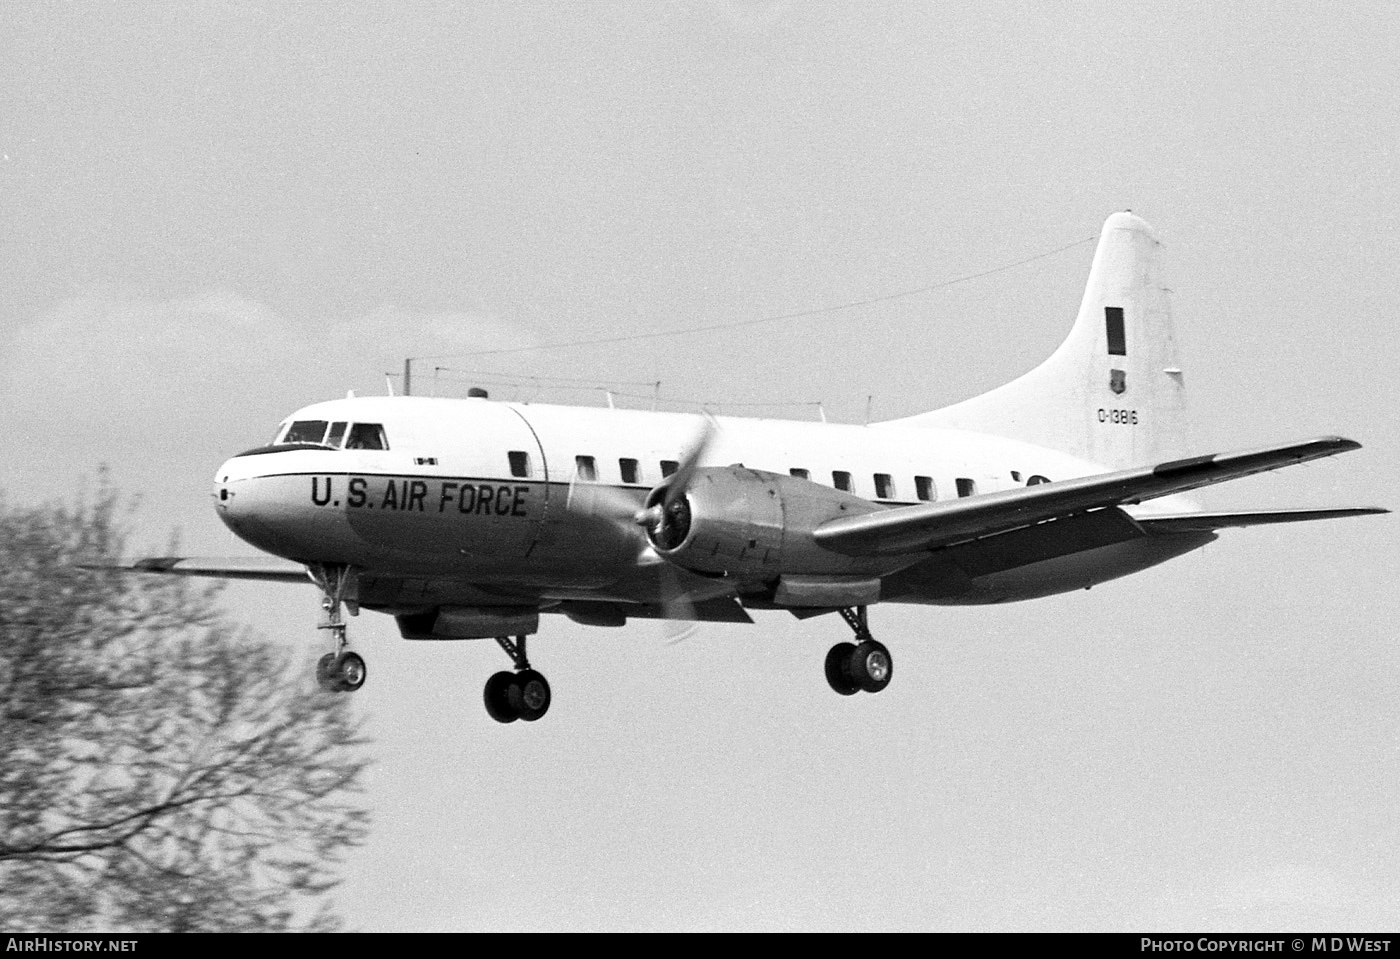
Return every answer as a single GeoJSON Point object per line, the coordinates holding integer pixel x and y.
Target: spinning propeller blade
{"type": "Point", "coordinates": [666, 500]}
{"type": "Point", "coordinates": [664, 511]}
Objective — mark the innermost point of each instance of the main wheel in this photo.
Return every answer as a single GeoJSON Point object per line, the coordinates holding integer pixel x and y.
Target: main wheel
{"type": "Point", "coordinates": [871, 666]}
{"type": "Point", "coordinates": [529, 695]}
{"type": "Point", "coordinates": [498, 698]}
{"type": "Point", "coordinates": [838, 669]}
{"type": "Point", "coordinates": [349, 671]}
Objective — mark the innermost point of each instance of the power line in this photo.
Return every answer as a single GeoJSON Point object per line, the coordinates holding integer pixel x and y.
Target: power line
{"type": "Point", "coordinates": [571, 380]}
{"type": "Point", "coordinates": [595, 341]}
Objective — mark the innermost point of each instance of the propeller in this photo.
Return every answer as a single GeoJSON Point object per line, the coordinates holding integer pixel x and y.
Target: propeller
{"type": "Point", "coordinates": [665, 518]}
{"type": "Point", "coordinates": [680, 620]}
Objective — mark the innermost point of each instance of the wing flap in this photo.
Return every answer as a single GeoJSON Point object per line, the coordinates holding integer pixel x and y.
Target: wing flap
{"type": "Point", "coordinates": [1203, 522]}
{"type": "Point", "coordinates": [909, 529]}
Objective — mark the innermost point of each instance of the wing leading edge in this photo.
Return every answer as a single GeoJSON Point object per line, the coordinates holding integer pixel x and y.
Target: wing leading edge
{"type": "Point", "coordinates": [268, 568]}
{"type": "Point", "coordinates": [910, 529]}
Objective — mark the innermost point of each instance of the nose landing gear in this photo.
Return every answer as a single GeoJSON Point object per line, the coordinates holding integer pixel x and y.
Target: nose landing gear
{"type": "Point", "coordinates": [863, 665]}
{"type": "Point", "coordinates": [523, 694]}
{"type": "Point", "coordinates": [341, 671]}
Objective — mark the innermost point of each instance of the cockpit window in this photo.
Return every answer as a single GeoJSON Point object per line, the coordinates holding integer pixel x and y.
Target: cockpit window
{"type": "Point", "coordinates": [306, 431]}
{"type": "Point", "coordinates": [336, 434]}
{"type": "Point", "coordinates": [367, 436]}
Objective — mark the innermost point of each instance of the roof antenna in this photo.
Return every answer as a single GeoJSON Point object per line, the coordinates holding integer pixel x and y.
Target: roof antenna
{"type": "Point", "coordinates": [389, 382]}
{"type": "Point", "coordinates": [869, 400]}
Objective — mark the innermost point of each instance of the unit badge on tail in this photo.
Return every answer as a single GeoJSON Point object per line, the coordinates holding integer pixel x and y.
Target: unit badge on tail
{"type": "Point", "coordinates": [1117, 381]}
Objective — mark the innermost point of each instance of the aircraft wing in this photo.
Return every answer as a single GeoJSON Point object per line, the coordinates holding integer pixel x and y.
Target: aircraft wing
{"type": "Point", "coordinates": [220, 567]}
{"type": "Point", "coordinates": [909, 529]}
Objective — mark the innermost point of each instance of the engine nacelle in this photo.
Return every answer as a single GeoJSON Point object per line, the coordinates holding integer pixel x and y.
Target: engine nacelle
{"type": "Point", "coordinates": [757, 526]}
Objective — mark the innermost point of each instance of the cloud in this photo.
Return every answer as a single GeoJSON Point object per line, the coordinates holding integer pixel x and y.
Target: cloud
{"type": "Point", "coordinates": [165, 390]}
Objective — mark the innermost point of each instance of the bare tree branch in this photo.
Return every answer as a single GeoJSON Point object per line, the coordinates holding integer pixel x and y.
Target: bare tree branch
{"type": "Point", "coordinates": [159, 769]}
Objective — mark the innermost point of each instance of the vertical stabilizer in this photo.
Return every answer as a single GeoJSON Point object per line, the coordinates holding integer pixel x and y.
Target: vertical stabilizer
{"type": "Point", "coordinates": [1113, 393]}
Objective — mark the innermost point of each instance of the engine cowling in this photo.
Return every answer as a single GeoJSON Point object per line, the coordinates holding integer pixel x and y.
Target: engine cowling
{"type": "Point", "coordinates": [756, 526]}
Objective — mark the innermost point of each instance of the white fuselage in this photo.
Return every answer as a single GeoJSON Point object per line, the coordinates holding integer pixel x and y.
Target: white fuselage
{"type": "Point", "coordinates": [469, 501]}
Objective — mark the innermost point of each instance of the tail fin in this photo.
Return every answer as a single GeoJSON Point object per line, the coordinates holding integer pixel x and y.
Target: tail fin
{"type": "Point", "coordinates": [1113, 393]}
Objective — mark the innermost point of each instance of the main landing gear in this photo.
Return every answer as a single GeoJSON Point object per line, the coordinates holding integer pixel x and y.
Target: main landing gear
{"type": "Point", "coordinates": [341, 671]}
{"type": "Point", "coordinates": [862, 665]}
{"type": "Point", "coordinates": [523, 694]}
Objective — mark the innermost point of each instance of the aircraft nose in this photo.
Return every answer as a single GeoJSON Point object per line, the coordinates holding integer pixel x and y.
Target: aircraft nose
{"type": "Point", "coordinates": [272, 504]}
{"type": "Point", "coordinates": [222, 493]}
{"type": "Point", "coordinates": [233, 510]}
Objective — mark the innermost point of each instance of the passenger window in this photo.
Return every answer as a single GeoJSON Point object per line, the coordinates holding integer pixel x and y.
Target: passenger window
{"type": "Point", "coordinates": [306, 431]}
{"type": "Point", "coordinates": [1037, 480]}
{"type": "Point", "coordinates": [799, 472]}
{"type": "Point", "coordinates": [336, 434]}
{"type": "Point", "coordinates": [629, 469]}
{"type": "Point", "coordinates": [842, 480]}
{"type": "Point", "coordinates": [367, 436]}
{"type": "Point", "coordinates": [966, 487]}
{"type": "Point", "coordinates": [924, 488]}
{"type": "Point", "coordinates": [668, 467]}
{"type": "Point", "coordinates": [519, 463]}
{"type": "Point", "coordinates": [884, 486]}
{"type": "Point", "coordinates": [585, 468]}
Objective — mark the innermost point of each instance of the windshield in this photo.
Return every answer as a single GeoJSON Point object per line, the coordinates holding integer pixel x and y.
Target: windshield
{"type": "Point", "coordinates": [356, 436]}
{"type": "Point", "coordinates": [367, 436]}
{"type": "Point", "coordinates": [305, 431]}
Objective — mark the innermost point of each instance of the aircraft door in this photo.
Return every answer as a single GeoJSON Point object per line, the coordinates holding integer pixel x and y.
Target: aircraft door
{"type": "Point", "coordinates": [504, 495]}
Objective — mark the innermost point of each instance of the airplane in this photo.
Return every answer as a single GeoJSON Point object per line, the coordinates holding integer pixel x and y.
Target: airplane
{"type": "Point", "coordinates": [469, 518]}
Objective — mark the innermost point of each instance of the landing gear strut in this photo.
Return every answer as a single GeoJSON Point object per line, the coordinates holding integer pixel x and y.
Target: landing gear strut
{"type": "Point", "coordinates": [862, 665]}
{"type": "Point", "coordinates": [523, 694]}
{"type": "Point", "coordinates": [341, 671]}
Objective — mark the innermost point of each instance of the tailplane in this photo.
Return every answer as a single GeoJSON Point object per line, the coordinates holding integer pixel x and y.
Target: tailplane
{"type": "Point", "coordinates": [1114, 392]}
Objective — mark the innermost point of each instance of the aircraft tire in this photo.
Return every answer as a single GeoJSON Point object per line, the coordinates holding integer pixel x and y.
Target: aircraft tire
{"type": "Point", "coordinates": [871, 667]}
{"type": "Point", "coordinates": [529, 695]}
{"type": "Point", "coordinates": [324, 674]}
{"type": "Point", "coordinates": [349, 672]}
{"type": "Point", "coordinates": [498, 698]}
{"type": "Point", "coordinates": [838, 669]}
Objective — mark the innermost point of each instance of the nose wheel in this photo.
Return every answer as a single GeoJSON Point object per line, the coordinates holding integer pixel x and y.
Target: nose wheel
{"type": "Point", "coordinates": [339, 671]}
{"type": "Point", "coordinates": [523, 694]}
{"type": "Point", "coordinates": [862, 666]}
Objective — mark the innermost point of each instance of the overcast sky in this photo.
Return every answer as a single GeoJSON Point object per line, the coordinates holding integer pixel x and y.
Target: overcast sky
{"type": "Point", "coordinates": [216, 212]}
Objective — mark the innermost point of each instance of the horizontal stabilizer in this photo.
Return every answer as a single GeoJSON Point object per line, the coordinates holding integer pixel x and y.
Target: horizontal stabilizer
{"type": "Point", "coordinates": [909, 529]}
{"type": "Point", "coordinates": [1204, 522]}
{"type": "Point", "coordinates": [268, 568]}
